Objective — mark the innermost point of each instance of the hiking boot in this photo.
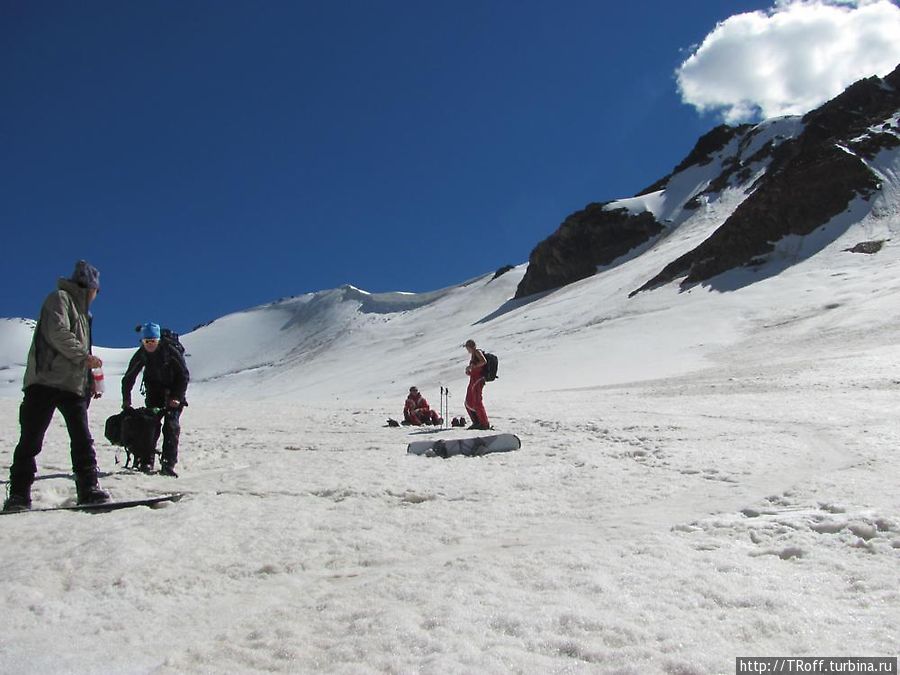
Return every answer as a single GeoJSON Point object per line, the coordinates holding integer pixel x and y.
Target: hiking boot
{"type": "Point", "coordinates": [93, 494]}
{"type": "Point", "coordinates": [144, 467]}
{"type": "Point", "coordinates": [17, 502]}
{"type": "Point", "coordinates": [168, 470]}
{"type": "Point", "coordinates": [90, 492]}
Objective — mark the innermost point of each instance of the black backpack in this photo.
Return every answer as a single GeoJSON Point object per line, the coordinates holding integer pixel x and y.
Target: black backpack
{"type": "Point", "coordinates": [490, 368]}
{"type": "Point", "coordinates": [113, 427]}
{"type": "Point", "coordinates": [140, 430]}
{"type": "Point", "coordinates": [135, 429]}
{"type": "Point", "coordinates": [169, 340]}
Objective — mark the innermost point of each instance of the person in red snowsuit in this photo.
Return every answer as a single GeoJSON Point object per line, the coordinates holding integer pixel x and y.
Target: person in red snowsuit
{"type": "Point", "coordinates": [474, 402]}
{"type": "Point", "coordinates": [416, 410]}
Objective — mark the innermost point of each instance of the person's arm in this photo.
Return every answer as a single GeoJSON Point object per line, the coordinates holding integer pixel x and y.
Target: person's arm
{"type": "Point", "coordinates": [478, 359]}
{"type": "Point", "coordinates": [131, 373]}
{"type": "Point", "coordinates": [181, 379]}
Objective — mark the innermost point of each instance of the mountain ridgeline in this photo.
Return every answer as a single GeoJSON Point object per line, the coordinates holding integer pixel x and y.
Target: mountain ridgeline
{"type": "Point", "coordinates": [791, 176]}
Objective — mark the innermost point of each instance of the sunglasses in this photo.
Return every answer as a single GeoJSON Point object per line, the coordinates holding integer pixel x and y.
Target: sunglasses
{"type": "Point", "coordinates": [148, 341]}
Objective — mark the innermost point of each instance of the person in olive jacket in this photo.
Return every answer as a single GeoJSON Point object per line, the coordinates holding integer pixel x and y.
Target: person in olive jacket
{"type": "Point", "coordinates": [58, 377]}
{"type": "Point", "coordinates": [165, 384]}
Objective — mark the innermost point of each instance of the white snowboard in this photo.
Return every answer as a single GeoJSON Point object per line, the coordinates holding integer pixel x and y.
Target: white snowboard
{"type": "Point", "coordinates": [470, 447]}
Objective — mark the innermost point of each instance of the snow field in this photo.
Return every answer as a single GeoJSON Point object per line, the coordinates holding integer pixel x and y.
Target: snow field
{"type": "Point", "coordinates": [665, 526]}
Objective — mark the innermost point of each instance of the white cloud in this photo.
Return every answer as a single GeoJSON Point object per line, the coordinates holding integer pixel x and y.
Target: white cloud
{"type": "Point", "coordinates": [790, 59]}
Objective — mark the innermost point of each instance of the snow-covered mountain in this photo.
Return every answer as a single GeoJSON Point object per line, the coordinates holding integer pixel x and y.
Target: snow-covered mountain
{"type": "Point", "coordinates": [740, 193]}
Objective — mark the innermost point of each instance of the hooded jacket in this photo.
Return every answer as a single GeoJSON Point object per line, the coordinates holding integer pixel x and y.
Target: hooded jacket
{"type": "Point", "coordinates": [62, 341]}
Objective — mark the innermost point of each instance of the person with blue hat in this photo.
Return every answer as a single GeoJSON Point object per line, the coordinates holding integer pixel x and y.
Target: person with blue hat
{"type": "Point", "coordinates": [58, 377]}
{"type": "Point", "coordinates": [166, 378]}
{"type": "Point", "coordinates": [150, 331]}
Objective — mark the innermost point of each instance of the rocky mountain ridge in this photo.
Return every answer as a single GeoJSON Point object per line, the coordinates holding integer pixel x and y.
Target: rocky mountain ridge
{"type": "Point", "coordinates": [795, 175]}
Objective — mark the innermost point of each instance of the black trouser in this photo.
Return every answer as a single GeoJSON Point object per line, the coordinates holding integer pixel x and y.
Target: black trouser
{"type": "Point", "coordinates": [171, 426]}
{"type": "Point", "coordinates": [35, 414]}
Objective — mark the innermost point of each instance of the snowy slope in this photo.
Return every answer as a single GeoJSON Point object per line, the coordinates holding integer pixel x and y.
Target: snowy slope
{"type": "Point", "coordinates": [15, 339]}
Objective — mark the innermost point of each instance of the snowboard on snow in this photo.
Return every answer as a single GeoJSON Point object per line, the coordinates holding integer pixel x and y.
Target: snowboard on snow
{"type": "Point", "coordinates": [107, 506]}
{"type": "Point", "coordinates": [469, 447]}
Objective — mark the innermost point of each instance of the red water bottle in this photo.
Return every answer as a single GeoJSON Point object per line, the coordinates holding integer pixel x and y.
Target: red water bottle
{"type": "Point", "coordinates": [99, 386]}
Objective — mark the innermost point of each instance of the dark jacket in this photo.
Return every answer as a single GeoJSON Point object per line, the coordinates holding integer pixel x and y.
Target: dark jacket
{"type": "Point", "coordinates": [62, 341]}
{"type": "Point", "coordinates": [166, 374]}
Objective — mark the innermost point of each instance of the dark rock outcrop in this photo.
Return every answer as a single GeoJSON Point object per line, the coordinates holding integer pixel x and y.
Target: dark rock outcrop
{"type": "Point", "coordinates": [586, 240]}
{"type": "Point", "coordinates": [500, 272]}
{"type": "Point", "coordinates": [867, 247]}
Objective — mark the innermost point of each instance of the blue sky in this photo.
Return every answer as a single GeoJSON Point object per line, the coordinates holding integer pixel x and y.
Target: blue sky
{"type": "Point", "coordinates": [209, 156]}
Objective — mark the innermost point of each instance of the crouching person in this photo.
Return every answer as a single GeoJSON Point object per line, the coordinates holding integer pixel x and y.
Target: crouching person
{"type": "Point", "coordinates": [165, 384]}
{"type": "Point", "coordinates": [58, 377]}
{"type": "Point", "coordinates": [416, 410]}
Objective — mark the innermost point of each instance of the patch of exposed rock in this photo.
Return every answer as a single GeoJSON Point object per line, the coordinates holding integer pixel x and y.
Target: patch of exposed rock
{"type": "Point", "coordinates": [586, 240]}
{"type": "Point", "coordinates": [867, 247]}
{"type": "Point", "coordinates": [501, 271]}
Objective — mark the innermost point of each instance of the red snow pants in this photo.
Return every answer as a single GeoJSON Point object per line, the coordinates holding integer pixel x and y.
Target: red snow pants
{"type": "Point", "coordinates": [474, 403]}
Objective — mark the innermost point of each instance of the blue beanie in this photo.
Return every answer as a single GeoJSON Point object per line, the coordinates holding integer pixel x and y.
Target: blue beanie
{"type": "Point", "coordinates": [86, 275]}
{"type": "Point", "coordinates": [150, 331]}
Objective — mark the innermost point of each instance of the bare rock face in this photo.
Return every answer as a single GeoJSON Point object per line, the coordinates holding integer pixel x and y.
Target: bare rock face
{"type": "Point", "coordinates": [586, 240]}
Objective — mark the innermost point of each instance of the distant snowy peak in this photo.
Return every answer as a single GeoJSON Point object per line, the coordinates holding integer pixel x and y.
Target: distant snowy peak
{"type": "Point", "coordinates": [388, 303]}
{"type": "Point", "coordinates": [338, 299]}
{"type": "Point", "coordinates": [296, 330]}
{"type": "Point", "coordinates": [739, 191]}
